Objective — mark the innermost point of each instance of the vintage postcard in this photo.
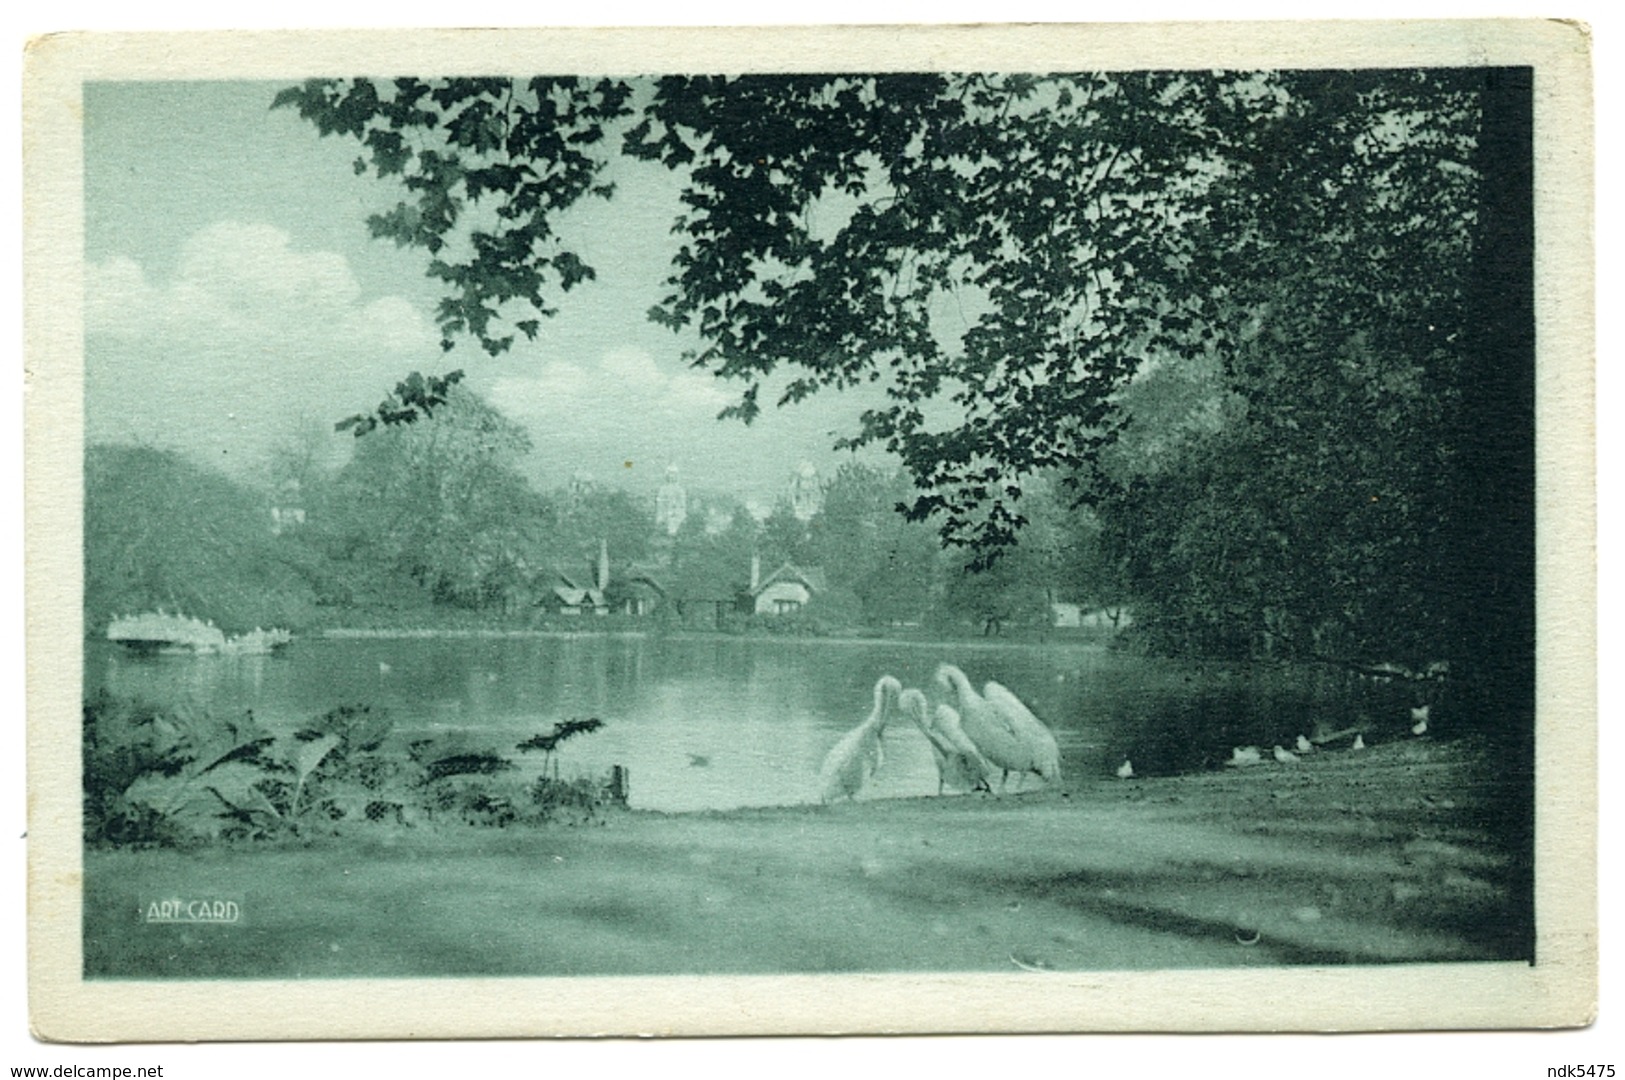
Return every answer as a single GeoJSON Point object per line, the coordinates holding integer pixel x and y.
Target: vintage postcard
{"type": "Point", "coordinates": [844, 530]}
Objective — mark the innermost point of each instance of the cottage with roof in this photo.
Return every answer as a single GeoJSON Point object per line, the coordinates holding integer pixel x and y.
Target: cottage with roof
{"type": "Point", "coordinates": [563, 595]}
{"type": "Point", "coordinates": [641, 590]}
{"type": "Point", "coordinates": [786, 590]}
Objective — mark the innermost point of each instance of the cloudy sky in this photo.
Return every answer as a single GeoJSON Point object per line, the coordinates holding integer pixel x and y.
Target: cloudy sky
{"type": "Point", "coordinates": [233, 296]}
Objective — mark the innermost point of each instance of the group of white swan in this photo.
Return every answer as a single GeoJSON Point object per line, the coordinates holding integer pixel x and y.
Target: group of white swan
{"type": "Point", "coordinates": [973, 737]}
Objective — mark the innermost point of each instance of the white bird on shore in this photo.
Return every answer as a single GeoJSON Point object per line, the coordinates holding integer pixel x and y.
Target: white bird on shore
{"type": "Point", "coordinates": [959, 764]}
{"type": "Point", "coordinates": [1419, 720]}
{"type": "Point", "coordinates": [1305, 746]}
{"type": "Point", "coordinates": [852, 761]}
{"type": "Point", "coordinates": [1244, 755]}
{"type": "Point", "coordinates": [1004, 730]}
{"type": "Point", "coordinates": [1359, 743]}
{"type": "Point", "coordinates": [1285, 756]}
{"type": "Point", "coordinates": [1125, 771]}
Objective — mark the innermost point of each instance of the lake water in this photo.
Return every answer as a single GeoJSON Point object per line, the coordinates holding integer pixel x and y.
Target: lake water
{"type": "Point", "coordinates": [726, 722]}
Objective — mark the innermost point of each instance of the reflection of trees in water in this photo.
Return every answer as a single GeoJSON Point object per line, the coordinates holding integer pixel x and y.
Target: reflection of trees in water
{"type": "Point", "coordinates": [177, 678]}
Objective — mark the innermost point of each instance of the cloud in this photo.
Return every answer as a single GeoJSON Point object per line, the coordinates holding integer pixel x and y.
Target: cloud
{"type": "Point", "coordinates": [247, 338]}
{"type": "Point", "coordinates": [246, 335]}
{"type": "Point", "coordinates": [625, 388]}
{"type": "Point", "coordinates": [236, 277]}
{"type": "Point", "coordinates": [390, 324]}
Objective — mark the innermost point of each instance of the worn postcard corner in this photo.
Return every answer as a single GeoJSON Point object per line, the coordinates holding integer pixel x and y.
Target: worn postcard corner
{"type": "Point", "coordinates": [799, 531]}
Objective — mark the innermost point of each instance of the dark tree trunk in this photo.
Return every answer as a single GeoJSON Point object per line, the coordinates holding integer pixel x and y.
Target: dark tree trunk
{"type": "Point", "coordinates": [1493, 594]}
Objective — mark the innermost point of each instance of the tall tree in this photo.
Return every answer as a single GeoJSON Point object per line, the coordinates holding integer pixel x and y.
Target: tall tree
{"type": "Point", "coordinates": [442, 502]}
{"type": "Point", "coordinates": [588, 521]}
{"type": "Point", "coordinates": [867, 547]}
{"type": "Point", "coordinates": [1287, 482]}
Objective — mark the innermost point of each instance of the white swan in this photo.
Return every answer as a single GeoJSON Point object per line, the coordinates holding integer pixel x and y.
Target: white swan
{"type": "Point", "coordinates": [1004, 730]}
{"type": "Point", "coordinates": [852, 761]}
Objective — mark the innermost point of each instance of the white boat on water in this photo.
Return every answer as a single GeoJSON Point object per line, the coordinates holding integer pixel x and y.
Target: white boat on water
{"type": "Point", "coordinates": [162, 632]}
{"type": "Point", "coordinates": [258, 642]}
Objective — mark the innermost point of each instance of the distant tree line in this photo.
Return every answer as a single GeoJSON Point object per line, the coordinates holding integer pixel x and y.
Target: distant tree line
{"type": "Point", "coordinates": [437, 519]}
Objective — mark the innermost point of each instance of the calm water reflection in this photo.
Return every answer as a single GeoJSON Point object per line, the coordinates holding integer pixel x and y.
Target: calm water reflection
{"type": "Point", "coordinates": [718, 723]}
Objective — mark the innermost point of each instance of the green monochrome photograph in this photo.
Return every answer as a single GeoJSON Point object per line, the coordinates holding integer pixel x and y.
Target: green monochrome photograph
{"type": "Point", "coordinates": [708, 532]}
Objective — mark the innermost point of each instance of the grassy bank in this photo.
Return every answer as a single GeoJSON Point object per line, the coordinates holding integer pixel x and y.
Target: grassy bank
{"type": "Point", "coordinates": [1388, 855]}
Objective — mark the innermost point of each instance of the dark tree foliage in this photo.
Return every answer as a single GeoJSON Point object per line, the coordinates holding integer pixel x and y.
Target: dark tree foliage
{"type": "Point", "coordinates": [999, 246]}
{"type": "Point", "coordinates": [582, 519]}
{"type": "Point", "coordinates": [415, 396]}
{"type": "Point", "coordinates": [865, 546]}
{"type": "Point", "coordinates": [533, 144]}
{"type": "Point", "coordinates": [831, 223]}
{"type": "Point", "coordinates": [786, 538]}
{"type": "Point", "coordinates": [1312, 516]}
{"type": "Point", "coordinates": [710, 561]}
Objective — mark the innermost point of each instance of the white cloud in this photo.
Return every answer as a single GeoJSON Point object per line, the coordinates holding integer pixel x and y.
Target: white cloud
{"type": "Point", "coordinates": [247, 333]}
{"type": "Point", "coordinates": [626, 387]}
{"type": "Point", "coordinates": [627, 362]}
{"type": "Point", "coordinates": [390, 324]}
{"type": "Point", "coordinates": [253, 265]}
{"type": "Point", "coordinates": [239, 277]}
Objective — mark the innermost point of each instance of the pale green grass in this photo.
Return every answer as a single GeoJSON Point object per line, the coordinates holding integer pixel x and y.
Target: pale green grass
{"type": "Point", "coordinates": [1373, 858]}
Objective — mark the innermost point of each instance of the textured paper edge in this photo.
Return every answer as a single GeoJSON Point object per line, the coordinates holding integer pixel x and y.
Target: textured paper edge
{"type": "Point", "coordinates": [1559, 991]}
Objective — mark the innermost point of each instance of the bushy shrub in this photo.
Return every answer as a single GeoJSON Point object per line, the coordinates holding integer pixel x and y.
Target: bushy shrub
{"type": "Point", "coordinates": [122, 741]}
{"type": "Point", "coordinates": [154, 776]}
{"type": "Point", "coordinates": [573, 802]}
{"type": "Point", "coordinates": [171, 777]}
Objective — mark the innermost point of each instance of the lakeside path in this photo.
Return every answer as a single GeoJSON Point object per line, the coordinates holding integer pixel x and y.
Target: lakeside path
{"type": "Point", "coordinates": [1391, 854]}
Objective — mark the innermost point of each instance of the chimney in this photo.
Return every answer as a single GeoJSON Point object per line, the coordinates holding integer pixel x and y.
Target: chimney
{"type": "Point", "coordinates": [755, 571]}
{"type": "Point", "coordinates": [603, 565]}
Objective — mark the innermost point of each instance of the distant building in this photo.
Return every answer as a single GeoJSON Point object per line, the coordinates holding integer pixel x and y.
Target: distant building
{"type": "Point", "coordinates": [1073, 616]}
{"type": "Point", "coordinates": [641, 590]}
{"type": "Point", "coordinates": [805, 492]}
{"type": "Point", "coordinates": [786, 590]}
{"type": "Point", "coordinates": [287, 508]}
{"type": "Point", "coordinates": [564, 596]}
{"type": "Point", "coordinates": [578, 490]}
{"type": "Point", "coordinates": [671, 503]}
